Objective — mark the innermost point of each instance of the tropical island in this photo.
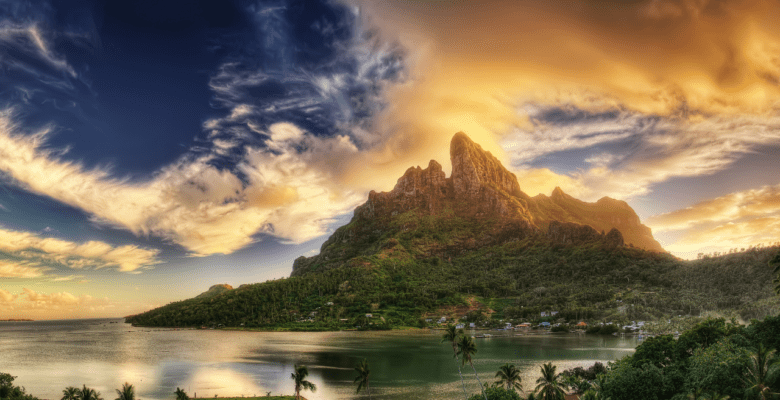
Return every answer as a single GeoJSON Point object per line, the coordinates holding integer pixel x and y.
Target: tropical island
{"type": "Point", "coordinates": [474, 249]}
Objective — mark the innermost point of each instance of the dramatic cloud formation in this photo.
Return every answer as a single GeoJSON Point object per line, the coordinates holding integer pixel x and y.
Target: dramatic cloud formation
{"type": "Point", "coordinates": [737, 220]}
{"type": "Point", "coordinates": [477, 64]}
{"type": "Point", "coordinates": [644, 150]}
{"type": "Point", "coordinates": [205, 209]}
{"type": "Point", "coordinates": [25, 253]}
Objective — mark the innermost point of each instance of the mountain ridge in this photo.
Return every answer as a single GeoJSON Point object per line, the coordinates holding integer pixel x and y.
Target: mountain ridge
{"type": "Point", "coordinates": [481, 188]}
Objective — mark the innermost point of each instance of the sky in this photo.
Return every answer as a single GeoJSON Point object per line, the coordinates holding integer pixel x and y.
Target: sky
{"type": "Point", "coordinates": [149, 150]}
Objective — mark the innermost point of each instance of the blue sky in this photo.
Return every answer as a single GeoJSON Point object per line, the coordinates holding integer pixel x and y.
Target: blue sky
{"type": "Point", "coordinates": [149, 150]}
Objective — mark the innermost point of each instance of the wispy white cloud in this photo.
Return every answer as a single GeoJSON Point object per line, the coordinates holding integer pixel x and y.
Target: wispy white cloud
{"type": "Point", "coordinates": [289, 193]}
{"type": "Point", "coordinates": [34, 251]}
{"type": "Point", "coordinates": [656, 149]}
{"type": "Point", "coordinates": [31, 40]}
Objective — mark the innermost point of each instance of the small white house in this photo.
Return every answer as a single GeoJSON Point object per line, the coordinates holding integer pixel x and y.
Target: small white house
{"type": "Point", "coordinates": [472, 325]}
{"type": "Point", "coordinates": [442, 320]}
{"type": "Point", "coordinates": [545, 314]}
{"type": "Point", "coordinates": [459, 326]}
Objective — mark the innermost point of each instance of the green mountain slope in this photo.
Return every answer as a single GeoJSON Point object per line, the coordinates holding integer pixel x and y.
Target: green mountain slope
{"type": "Point", "coordinates": [475, 243]}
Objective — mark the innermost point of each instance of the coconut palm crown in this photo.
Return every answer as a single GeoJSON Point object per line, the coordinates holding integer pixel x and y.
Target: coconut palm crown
{"type": "Point", "coordinates": [466, 350]}
{"type": "Point", "coordinates": [70, 393]}
{"type": "Point", "coordinates": [451, 335]}
{"type": "Point", "coordinates": [509, 376]}
{"type": "Point", "coordinates": [126, 393]}
{"type": "Point", "coordinates": [549, 386]}
{"type": "Point", "coordinates": [299, 377]}
{"type": "Point", "coordinates": [362, 378]}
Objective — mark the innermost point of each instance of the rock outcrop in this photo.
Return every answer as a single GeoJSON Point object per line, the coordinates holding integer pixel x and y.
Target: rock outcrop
{"type": "Point", "coordinates": [480, 189]}
{"type": "Point", "coordinates": [215, 290]}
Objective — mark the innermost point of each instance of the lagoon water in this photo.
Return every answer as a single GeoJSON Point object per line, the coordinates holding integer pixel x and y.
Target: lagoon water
{"type": "Point", "coordinates": [47, 356]}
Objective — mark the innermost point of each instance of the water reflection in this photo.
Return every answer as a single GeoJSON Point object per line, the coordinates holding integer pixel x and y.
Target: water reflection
{"type": "Point", "coordinates": [51, 355]}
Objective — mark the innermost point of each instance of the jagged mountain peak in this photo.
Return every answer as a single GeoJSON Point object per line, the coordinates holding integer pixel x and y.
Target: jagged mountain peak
{"type": "Point", "coordinates": [482, 191]}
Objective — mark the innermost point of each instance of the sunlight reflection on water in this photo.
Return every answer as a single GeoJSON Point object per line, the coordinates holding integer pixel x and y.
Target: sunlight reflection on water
{"type": "Point", "coordinates": [48, 356]}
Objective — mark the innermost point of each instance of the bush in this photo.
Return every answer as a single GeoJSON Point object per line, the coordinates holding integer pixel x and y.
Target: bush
{"type": "Point", "coordinates": [603, 329]}
{"type": "Point", "coordinates": [560, 328]}
{"type": "Point", "coordinates": [497, 393]}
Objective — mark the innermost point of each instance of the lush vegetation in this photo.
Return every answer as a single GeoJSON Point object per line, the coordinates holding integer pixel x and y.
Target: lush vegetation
{"type": "Point", "coordinates": [9, 391]}
{"type": "Point", "coordinates": [716, 359]}
{"type": "Point", "coordinates": [410, 274]}
{"type": "Point", "coordinates": [126, 392]}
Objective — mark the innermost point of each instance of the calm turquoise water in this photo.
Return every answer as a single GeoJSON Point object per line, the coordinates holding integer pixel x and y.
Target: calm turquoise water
{"type": "Point", "coordinates": [47, 356]}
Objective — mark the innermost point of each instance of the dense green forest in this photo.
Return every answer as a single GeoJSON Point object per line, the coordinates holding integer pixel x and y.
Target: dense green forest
{"type": "Point", "coordinates": [715, 359]}
{"type": "Point", "coordinates": [402, 277]}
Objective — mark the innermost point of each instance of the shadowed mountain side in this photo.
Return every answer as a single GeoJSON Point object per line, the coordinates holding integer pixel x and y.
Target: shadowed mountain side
{"type": "Point", "coordinates": [482, 193]}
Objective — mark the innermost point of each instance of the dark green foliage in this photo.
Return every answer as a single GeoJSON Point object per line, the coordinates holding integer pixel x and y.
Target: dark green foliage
{"type": "Point", "coordinates": [11, 392]}
{"type": "Point", "coordinates": [718, 369]}
{"type": "Point", "coordinates": [775, 265]}
{"type": "Point", "coordinates": [713, 359]}
{"type": "Point", "coordinates": [181, 394]}
{"type": "Point", "coordinates": [766, 332]}
{"type": "Point", "coordinates": [606, 329]}
{"type": "Point", "coordinates": [361, 379]}
{"type": "Point", "coordinates": [660, 351]}
{"type": "Point", "coordinates": [127, 392]}
{"type": "Point", "coordinates": [550, 386]}
{"type": "Point", "coordinates": [86, 393]}
{"type": "Point", "coordinates": [497, 393]}
{"type": "Point", "coordinates": [413, 264]}
{"type": "Point", "coordinates": [626, 382]}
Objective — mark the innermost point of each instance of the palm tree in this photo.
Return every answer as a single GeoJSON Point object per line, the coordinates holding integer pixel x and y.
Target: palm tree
{"type": "Point", "coordinates": [86, 393]}
{"type": "Point", "coordinates": [509, 375]}
{"type": "Point", "coordinates": [759, 371]}
{"type": "Point", "coordinates": [549, 386]}
{"type": "Point", "coordinates": [70, 393]}
{"type": "Point", "coordinates": [451, 335]}
{"type": "Point", "coordinates": [466, 349]}
{"type": "Point", "coordinates": [181, 394]}
{"type": "Point", "coordinates": [362, 378]}
{"type": "Point", "coordinates": [127, 392]}
{"type": "Point", "coordinates": [301, 372]}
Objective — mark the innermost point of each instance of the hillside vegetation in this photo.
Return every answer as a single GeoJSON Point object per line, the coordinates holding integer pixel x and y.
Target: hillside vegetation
{"type": "Point", "coordinates": [475, 244]}
{"type": "Point", "coordinates": [399, 285]}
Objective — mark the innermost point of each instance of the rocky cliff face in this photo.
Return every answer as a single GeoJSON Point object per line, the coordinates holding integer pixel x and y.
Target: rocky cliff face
{"type": "Point", "coordinates": [480, 189]}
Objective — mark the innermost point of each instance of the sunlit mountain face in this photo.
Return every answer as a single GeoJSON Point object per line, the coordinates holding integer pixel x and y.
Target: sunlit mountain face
{"type": "Point", "coordinates": [151, 149]}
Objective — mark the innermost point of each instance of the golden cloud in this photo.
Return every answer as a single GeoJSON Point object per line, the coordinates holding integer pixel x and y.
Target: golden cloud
{"type": "Point", "coordinates": [472, 66]}
{"type": "Point", "coordinates": [20, 270]}
{"type": "Point", "coordinates": [736, 220]}
{"type": "Point", "coordinates": [34, 249]}
{"type": "Point", "coordinates": [750, 204]}
{"type": "Point", "coordinates": [7, 297]}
